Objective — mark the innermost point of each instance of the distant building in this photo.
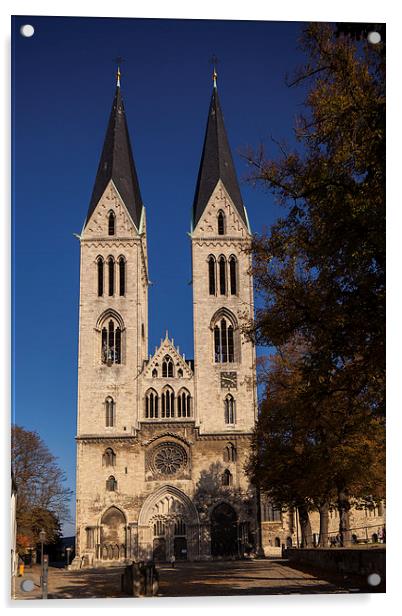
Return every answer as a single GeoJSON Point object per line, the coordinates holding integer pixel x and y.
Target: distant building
{"type": "Point", "coordinates": [282, 528]}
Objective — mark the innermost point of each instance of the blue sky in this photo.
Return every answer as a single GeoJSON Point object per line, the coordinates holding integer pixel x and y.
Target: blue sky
{"type": "Point", "coordinates": [63, 86]}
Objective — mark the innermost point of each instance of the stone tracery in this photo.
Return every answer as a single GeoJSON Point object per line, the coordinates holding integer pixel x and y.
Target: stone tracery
{"type": "Point", "coordinates": [168, 459]}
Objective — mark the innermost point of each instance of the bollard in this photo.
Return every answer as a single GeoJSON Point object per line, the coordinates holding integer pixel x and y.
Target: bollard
{"type": "Point", "coordinates": [138, 586]}
{"type": "Point", "coordinates": [149, 580]}
{"type": "Point", "coordinates": [140, 580]}
{"type": "Point", "coordinates": [155, 581]}
{"type": "Point", "coordinates": [143, 579]}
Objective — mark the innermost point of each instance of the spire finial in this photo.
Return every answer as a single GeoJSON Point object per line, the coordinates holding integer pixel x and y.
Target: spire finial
{"type": "Point", "coordinates": [214, 62]}
{"type": "Point", "coordinates": [118, 61]}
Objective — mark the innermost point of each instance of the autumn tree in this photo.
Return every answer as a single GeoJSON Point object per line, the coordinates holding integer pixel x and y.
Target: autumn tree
{"type": "Point", "coordinates": [301, 453]}
{"type": "Point", "coordinates": [42, 499]}
{"type": "Point", "coordinates": [320, 273]}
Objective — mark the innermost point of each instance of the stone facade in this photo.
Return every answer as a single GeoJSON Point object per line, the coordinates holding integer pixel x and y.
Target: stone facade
{"type": "Point", "coordinates": [278, 529]}
{"type": "Point", "coordinates": [162, 440]}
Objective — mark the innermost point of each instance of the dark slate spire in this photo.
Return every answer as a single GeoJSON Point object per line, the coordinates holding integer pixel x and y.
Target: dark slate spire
{"type": "Point", "coordinates": [117, 163]}
{"type": "Point", "coordinates": [216, 163]}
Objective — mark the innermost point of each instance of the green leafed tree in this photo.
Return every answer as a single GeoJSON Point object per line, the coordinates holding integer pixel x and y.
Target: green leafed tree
{"type": "Point", "coordinates": [320, 275]}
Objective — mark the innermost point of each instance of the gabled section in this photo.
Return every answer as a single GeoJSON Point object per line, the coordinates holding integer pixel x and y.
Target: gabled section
{"type": "Point", "coordinates": [98, 224]}
{"type": "Point", "coordinates": [216, 164]}
{"type": "Point", "coordinates": [220, 206]}
{"type": "Point", "coordinates": [117, 164]}
{"type": "Point", "coordinates": [167, 349]}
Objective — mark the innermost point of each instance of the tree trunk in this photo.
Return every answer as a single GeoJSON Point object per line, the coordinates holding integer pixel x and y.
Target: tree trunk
{"type": "Point", "coordinates": [305, 526]}
{"type": "Point", "coordinates": [323, 538]}
{"type": "Point", "coordinates": [343, 508]}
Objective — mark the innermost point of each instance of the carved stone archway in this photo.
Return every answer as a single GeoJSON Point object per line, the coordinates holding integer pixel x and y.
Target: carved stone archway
{"type": "Point", "coordinates": [113, 538]}
{"type": "Point", "coordinates": [168, 518]}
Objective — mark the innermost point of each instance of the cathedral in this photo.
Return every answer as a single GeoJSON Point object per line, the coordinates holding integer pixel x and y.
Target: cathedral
{"type": "Point", "coordinates": [162, 440]}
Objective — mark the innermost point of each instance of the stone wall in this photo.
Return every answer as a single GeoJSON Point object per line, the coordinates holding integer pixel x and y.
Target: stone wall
{"type": "Point", "coordinates": [357, 561]}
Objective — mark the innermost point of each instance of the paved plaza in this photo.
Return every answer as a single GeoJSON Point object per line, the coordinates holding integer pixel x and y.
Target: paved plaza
{"type": "Point", "coordinates": [260, 577]}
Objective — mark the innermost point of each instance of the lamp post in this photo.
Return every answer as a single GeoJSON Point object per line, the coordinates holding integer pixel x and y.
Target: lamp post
{"type": "Point", "coordinates": [42, 538]}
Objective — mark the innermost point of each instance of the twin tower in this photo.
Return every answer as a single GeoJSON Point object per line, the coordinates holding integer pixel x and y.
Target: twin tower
{"type": "Point", "coordinates": [162, 440]}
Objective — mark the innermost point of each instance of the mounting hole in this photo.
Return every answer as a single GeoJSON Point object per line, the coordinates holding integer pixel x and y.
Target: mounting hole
{"type": "Point", "coordinates": [374, 579]}
{"type": "Point", "coordinates": [374, 38]}
{"type": "Point", "coordinates": [27, 585]}
{"type": "Point", "coordinates": [27, 30]}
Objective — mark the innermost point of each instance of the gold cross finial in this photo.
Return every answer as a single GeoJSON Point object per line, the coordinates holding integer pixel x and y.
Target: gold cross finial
{"type": "Point", "coordinates": [118, 61]}
{"type": "Point", "coordinates": [214, 62]}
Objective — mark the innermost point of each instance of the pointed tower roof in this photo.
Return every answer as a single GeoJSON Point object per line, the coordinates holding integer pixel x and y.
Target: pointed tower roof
{"type": "Point", "coordinates": [117, 163]}
{"type": "Point", "coordinates": [216, 163]}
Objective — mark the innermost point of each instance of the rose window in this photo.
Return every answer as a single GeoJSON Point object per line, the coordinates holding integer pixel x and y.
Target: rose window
{"type": "Point", "coordinates": [169, 458]}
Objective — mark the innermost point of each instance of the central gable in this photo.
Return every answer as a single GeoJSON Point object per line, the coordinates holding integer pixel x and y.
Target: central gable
{"type": "Point", "coordinates": [167, 349]}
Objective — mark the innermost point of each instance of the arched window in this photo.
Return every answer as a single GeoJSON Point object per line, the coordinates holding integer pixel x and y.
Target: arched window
{"type": "Point", "coordinates": [167, 366]}
{"type": "Point", "coordinates": [270, 513]}
{"type": "Point", "coordinates": [159, 528]}
{"type": "Point", "coordinates": [167, 403]}
{"type": "Point", "coordinates": [151, 404]}
{"type": "Point", "coordinates": [184, 404]}
{"type": "Point", "coordinates": [100, 267]}
{"type": "Point", "coordinates": [109, 457]}
{"type": "Point", "coordinates": [111, 484]}
{"type": "Point", "coordinates": [111, 223]}
{"type": "Point", "coordinates": [227, 478]}
{"type": "Point", "coordinates": [212, 275]}
{"type": "Point", "coordinates": [230, 410]}
{"type": "Point", "coordinates": [110, 418]}
{"type": "Point", "coordinates": [122, 276]}
{"type": "Point", "coordinates": [224, 350]}
{"type": "Point", "coordinates": [229, 453]}
{"type": "Point", "coordinates": [111, 343]}
{"type": "Point", "coordinates": [179, 527]}
{"type": "Point", "coordinates": [154, 373]}
{"type": "Point", "coordinates": [221, 223]}
{"type": "Point", "coordinates": [233, 275]}
{"type": "Point", "coordinates": [180, 373]}
{"type": "Point", "coordinates": [222, 275]}
{"type": "Point", "coordinates": [110, 267]}
{"type": "Point", "coordinates": [277, 542]}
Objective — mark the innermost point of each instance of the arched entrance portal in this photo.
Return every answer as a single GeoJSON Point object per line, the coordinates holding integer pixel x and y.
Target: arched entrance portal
{"type": "Point", "coordinates": [224, 537]}
{"type": "Point", "coordinates": [168, 525]}
{"type": "Point", "coordinates": [113, 535]}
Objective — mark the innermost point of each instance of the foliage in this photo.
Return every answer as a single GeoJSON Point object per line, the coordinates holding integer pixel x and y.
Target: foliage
{"type": "Point", "coordinates": [321, 277]}
{"type": "Point", "coordinates": [42, 499]}
{"type": "Point", "coordinates": [304, 454]}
